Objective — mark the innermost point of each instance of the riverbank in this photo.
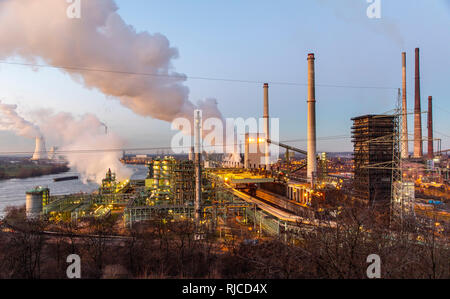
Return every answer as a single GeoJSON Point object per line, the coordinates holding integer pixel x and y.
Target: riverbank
{"type": "Point", "coordinates": [13, 190]}
{"type": "Point", "coordinates": [21, 168]}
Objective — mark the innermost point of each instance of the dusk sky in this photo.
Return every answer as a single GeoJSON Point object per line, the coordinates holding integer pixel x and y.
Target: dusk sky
{"type": "Point", "coordinates": [265, 41]}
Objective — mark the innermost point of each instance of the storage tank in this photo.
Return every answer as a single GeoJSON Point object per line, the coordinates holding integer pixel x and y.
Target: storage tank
{"type": "Point", "coordinates": [36, 200]}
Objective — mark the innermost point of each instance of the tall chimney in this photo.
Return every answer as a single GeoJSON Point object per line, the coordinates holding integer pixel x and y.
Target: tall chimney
{"type": "Point", "coordinates": [266, 123]}
{"type": "Point", "coordinates": [198, 168]}
{"type": "Point", "coordinates": [311, 158]}
{"type": "Point", "coordinates": [430, 128]}
{"type": "Point", "coordinates": [418, 144]}
{"type": "Point", "coordinates": [405, 147]}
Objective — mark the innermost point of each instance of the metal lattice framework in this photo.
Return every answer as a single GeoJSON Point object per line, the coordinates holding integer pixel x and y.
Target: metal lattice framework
{"type": "Point", "coordinates": [402, 198]}
{"type": "Point", "coordinates": [401, 193]}
{"type": "Point", "coordinates": [374, 146]}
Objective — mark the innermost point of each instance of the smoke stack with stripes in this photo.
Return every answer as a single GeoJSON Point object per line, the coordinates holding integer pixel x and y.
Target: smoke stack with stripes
{"type": "Point", "coordinates": [430, 128]}
{"type": "Point", "coordinates": [418, 143]}
{"type": "Point", "coordinates": [404, 148]}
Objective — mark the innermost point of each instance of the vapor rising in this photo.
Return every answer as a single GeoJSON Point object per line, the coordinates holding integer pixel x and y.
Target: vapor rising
{"type": "Point", "coordinates": [100, 40]}
{"type": "Point", "coordinates": [84, 143]}
{"type": "Point", "coordinates": [10, 120]}
{"type": "Point", "coordinates": [73, 135]}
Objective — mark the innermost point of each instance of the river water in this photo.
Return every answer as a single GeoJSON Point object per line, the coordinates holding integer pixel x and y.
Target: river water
{"type": "Point", "coordinates": [12, 192]}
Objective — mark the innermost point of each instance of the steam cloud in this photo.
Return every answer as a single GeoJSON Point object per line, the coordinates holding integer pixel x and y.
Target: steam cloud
{"type": "Point", "coordinates": [100, 40]}
{"type": "Point", "coordinates": [72, 134]}
{"type": "Point", "coordinates": [84, 133]}
{"type": "Point", "coordinates": [10, 120]}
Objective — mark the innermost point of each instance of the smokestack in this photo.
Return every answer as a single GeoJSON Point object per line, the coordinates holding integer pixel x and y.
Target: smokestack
{"type": "Point", "coordinates": [418, 144]}
{"type": "Point", "coordinates": [312, 163]}
{"type": "Point", "coordinates": [40, 152]}
{"type": "Point", "coordinates": [198, 167]}
{"type": "Point", "coordinates": [430, 128]}
{"type": "Point", "coordinates": [405, 147]}
{"type": "Point", "coordinates": [191, 154]}
{"type": "Point", "coordinates": [266, 123]}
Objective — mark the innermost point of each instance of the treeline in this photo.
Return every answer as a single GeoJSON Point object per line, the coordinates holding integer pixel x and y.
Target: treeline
{"type": "Point", "coordinates": [22, 171]}
{"type": "Point", "coordinates": [165, 249]}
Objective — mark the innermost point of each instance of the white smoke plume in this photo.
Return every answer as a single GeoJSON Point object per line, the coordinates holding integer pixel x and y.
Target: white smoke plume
{"type": "Point", "coordinates": [10, 120]}
{"type": "Point", "coordinates": [74, 136]}
{"type": "Point", "coordinates": [100, 40]}
{"type": "Point", "coordinates": [84, 143]}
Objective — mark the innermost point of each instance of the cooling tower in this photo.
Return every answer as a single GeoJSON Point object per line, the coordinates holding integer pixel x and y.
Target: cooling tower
{"type": "Point", "coordinates": [40, 152]}
{"type": "Point", "coordinates": [312, 163]}
{"type": "Point", "coordinates": [52, 153]}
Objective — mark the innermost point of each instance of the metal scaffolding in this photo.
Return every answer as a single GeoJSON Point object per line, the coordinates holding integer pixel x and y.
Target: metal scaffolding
{"type": "Point", "coordinates": [375, 145]}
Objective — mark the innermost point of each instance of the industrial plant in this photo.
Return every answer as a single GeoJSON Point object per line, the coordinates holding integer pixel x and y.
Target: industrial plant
{"type": "Point", "coordinates": [215, 140]}
{"type": "Point", "coordinates": [281, 197]}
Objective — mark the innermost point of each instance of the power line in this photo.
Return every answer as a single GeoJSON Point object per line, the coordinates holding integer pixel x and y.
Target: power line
{"type": "Point", "coordinates": [92, 151]}
{"type": "Point", "coordinates": [441, 133]}
{"type": "Point", "coordinates": [110, 150]}
{"type": "Point", "coordinates": [440, 108]}
{"type": "Point", "coordinates": [337, 137]}
{"type": "Point", "coordinates": [184, 77]}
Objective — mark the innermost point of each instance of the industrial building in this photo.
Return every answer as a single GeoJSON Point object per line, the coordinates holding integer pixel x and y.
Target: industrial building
{"type": "Point", "coordinates": [255, 150]}
{"type": "Point", "coordinates": [373, 139]}
{"type": "Point", "coordinates": [276, 195]}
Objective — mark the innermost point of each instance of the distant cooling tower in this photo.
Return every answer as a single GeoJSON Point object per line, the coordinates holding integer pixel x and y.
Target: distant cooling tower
{"type": "Point", "coordinates": [52, 153]}
{"type": "Point", "coordinates": [40, 152]}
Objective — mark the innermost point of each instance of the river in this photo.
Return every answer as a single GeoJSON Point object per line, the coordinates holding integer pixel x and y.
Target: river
{"type": "Point", "coordinates": [12, 192]}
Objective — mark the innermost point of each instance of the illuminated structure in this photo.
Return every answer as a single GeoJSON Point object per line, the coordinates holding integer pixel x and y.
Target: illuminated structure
{"type": "Point", "coordinates": [300, 193]}
{"type": "Point", "coordinates": [323, 166]}
{"type": "Point", "coordinates": [254, 156]}
{"type": "Point", "coordinates": [109, 183]}
{"type": "Point", "coordinates": [171, 181]}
